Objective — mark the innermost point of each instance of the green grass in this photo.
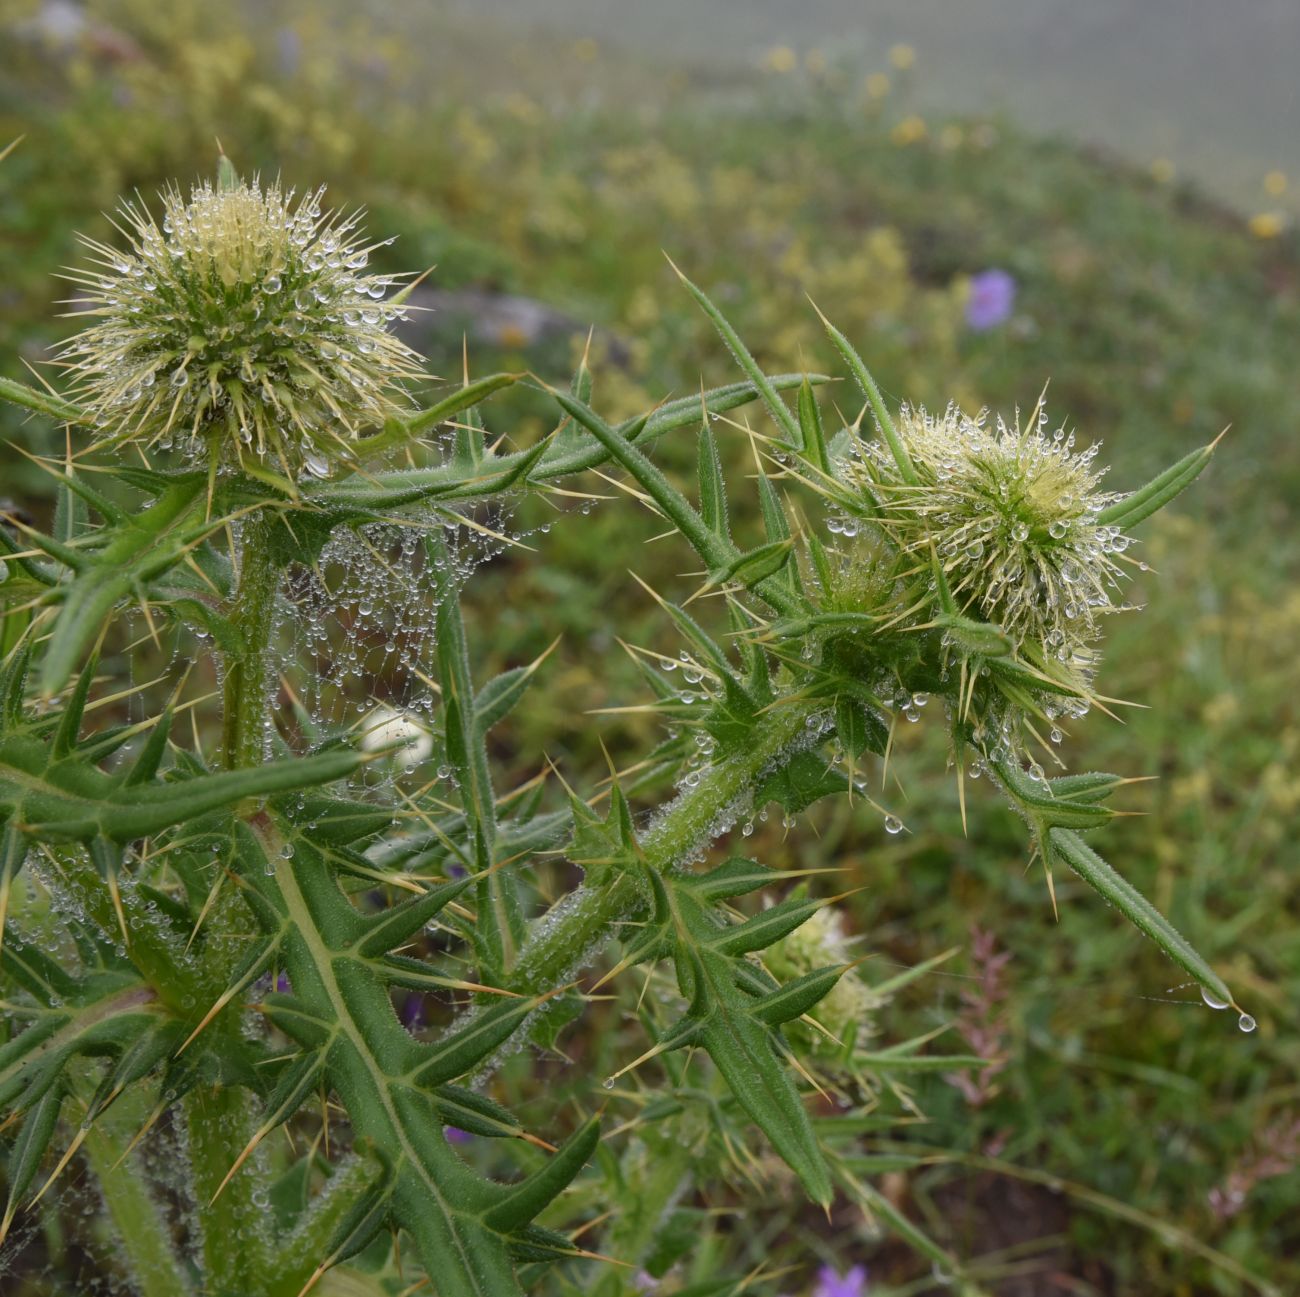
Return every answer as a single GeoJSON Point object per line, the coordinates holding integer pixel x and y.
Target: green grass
{"type": "Point", "coordinates": [1158, 321]}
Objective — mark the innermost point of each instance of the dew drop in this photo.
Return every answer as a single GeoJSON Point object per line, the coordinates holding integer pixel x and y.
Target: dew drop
{"type": "Point", "coordinates": [1213, 1000]}
{"type": "Point", "coordinates": [1246, 1022]}
{"type": "Point", "coordinates": [893, 824]}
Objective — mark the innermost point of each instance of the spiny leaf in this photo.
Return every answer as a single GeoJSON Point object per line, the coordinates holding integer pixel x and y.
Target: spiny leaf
{"type": "Point", "coordinates": [462, 399]}
{"type": "Point", "coordinates": [31, 398]}
{"type": "Point", "coordinates": [60, 812]}
{"type": "Point", "coordinates": [741, 1049]}
{"type": "Point", "coordinates": [713, 490]}
{"type": "Point", "coordinates": [29, 1148]}
{"type": "Point", "coordinates": [299, 1021]}
{"type": "Point", "coordinates": [755, 565]}
{"type": "Point", "coordinates": [65, 737]}
{"type": "Point", "coordinates": [459, 1051]}
{"type": "Point", "coordinates": [145, 766]}
{"type": "Point", "coordinates": [1056, 812]}
{"type": "Point", "coordinates": [1094, 786]}
{"type": "Point", "coordinates": [795, 998]}
{"type": "Point", "coordinates": [779, 410]}
{"type": "Point", "coordinates": [862, 375]}
{"type": "Point", "coordinates": [146, 543]}
{"type": "Point", "coordinates": [735, 877]}
{"type": "Point", "coordinates": [814, 435]}
{"type": "Point", "coordinates": [1142, 503]}
{"type": "Point", "coordinates": [765, 928]}
{"type": "Point", "coordinates": [543, 1187]}
{"type": "Point", "coordinates": [1136, 908]}
{"type": "Point", "coordinates": [859, 728]}
{"type": "Point", "coordinates": [390, 929]}
{"type": "Point", "coordinates": [474, 1113]}
{"type": "Point", "coordinates": [800, 781]}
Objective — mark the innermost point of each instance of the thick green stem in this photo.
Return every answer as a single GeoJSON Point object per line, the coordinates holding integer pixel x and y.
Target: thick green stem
{"type": "Point", "coordinates": [145, 1233]}
{"type": "Point", "coordinates": [219, 1122]}
{"type": "Point", "coordinates": [582, 923]}
{"type": "Point", "coordinates": [219, 1118]}
{"type": "Point", "coordinates": [252, 619]}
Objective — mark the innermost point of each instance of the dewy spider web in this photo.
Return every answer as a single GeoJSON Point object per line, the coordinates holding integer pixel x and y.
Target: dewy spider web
{"type": "Point", "coordinates": [356, 635]}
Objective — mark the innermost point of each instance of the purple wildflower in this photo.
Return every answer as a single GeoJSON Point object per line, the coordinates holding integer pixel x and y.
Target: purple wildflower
{"type": "Point", "coordinates": [830, 1283]}
{"type": "Point", "coordinates": [412, 1013]}
{"type": "Point", "coordinates": [990, 299]}
{"type": "Point", "coordinates": [455, 1135]}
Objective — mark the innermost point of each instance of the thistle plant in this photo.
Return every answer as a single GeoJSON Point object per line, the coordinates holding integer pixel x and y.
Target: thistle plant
{"type": "Point", "coordinates": [210, 927]}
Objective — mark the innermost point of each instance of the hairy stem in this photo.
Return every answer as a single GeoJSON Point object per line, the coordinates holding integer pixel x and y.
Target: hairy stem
{"type": "Point", "coordinates": [245, 687]}
{"type": "Point", "coordinates": [219, 1118]}
{"type": "Point", "coordinates": [580, 925]}
{"type": "Point", "coordinates": [233, 1246]}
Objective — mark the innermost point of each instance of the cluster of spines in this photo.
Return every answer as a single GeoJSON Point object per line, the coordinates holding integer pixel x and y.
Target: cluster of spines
{"type": "Point", "coordinates": [243, 330]}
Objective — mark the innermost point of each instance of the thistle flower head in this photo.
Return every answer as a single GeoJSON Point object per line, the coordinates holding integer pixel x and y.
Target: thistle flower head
{"type": "Point", "coordinates": [818, 942]}
{"type": "Point", "coordinates": [1012, 514]}
{"type": "Point", "coordinates": [243, 331]}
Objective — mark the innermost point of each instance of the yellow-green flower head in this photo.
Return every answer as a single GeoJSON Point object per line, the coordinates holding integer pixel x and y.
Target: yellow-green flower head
{"type": "Point", "coordinates": [244, 331]}
{"type": "Point", "coordinates": [1011, 513]}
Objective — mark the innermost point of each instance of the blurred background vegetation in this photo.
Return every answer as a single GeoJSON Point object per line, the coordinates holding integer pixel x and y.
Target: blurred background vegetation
{"type": "Point", "coordinates": [543, 172]}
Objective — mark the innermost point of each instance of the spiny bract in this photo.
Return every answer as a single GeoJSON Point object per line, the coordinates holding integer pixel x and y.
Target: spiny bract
{"type": "Point", "coordinates": [243, 331]}
{"type": "Point", "coordinates": [1012, 514]}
